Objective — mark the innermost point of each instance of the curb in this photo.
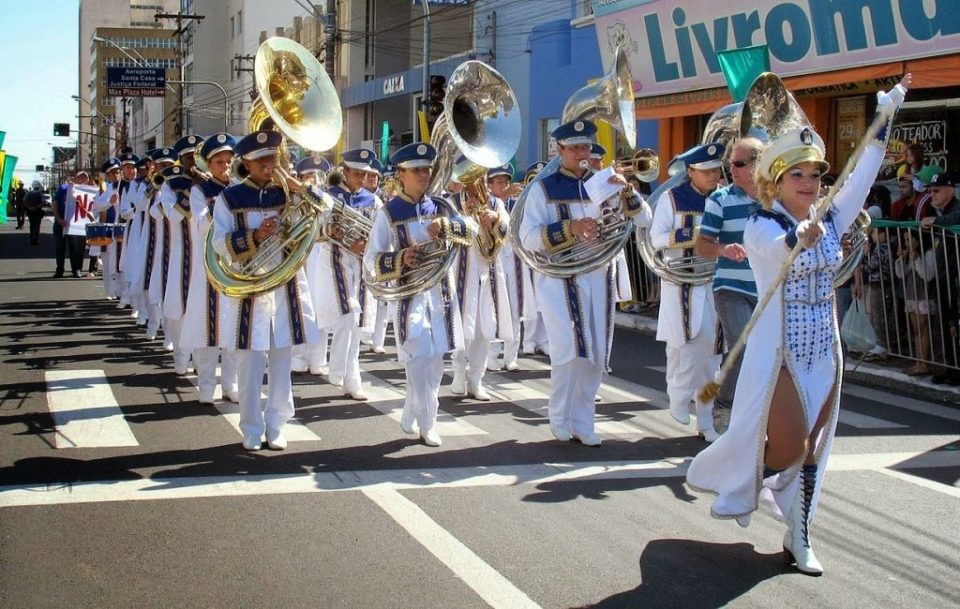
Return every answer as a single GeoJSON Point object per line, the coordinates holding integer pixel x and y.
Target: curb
{"type": "Point", "coordinates": [864, 373]}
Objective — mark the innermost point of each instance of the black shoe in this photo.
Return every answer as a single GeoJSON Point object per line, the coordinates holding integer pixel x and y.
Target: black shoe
{"type": "Point", "coordinates": [58, 275]}
{"type": "Point", "coordinates": [938, 379]}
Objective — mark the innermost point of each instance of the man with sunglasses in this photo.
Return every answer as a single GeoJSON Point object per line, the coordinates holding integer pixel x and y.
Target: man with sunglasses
{"type": "Point", "coordinates": [721, 237]}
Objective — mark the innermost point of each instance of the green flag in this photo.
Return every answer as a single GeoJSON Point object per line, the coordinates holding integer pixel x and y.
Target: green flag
{"type": "Point", "coordinates": [9, 162]}
{"type": "Point", "coordinates": [385, 143]}
{"type": "Point", "coordinates": [742, 66]}
{"type": "Point", "coordinates": [3, 134]}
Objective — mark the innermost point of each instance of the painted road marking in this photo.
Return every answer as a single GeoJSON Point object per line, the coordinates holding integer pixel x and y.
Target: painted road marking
{"type": "Point", "coordinates": [85, 413]}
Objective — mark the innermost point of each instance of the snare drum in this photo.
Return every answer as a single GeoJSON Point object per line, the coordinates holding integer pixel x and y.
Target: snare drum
{"type": "Point", "coordinates": [99, 233]}
{"type": "Point", "coordinates": [118, 230]}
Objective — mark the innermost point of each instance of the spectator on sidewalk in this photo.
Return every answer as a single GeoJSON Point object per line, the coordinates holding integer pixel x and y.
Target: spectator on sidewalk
{"type": "Point", "coordinates": [33, 203]}
{"type": "Point", "coordinates": [878, 267]}
{"type": "Point", "coordinates": [917, 267]}
{"type": "Point", "coordinates": [16, 200]}
{"type": "Point", "coordinates": [911, 196]}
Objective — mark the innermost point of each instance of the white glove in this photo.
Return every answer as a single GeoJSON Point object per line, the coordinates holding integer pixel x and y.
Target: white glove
{"type": "Point", "coordinates": [808, 233]}
{"type": "Point", "coordinates": [889, 102]}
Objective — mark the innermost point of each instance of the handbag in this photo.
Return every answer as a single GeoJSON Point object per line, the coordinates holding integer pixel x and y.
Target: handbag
{"type": "Point", "coordinates": [857, 331]}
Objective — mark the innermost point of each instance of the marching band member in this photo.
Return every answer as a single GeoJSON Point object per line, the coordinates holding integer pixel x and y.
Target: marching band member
{"type": "Point", "coordinates": [128, 173]}
{"type": "Point", "coordinates": [175, 198]}
{"type": "Point", "coordinates": [265, 326]}
{"type": "Point", "coordinates": [156, 270]}
{"type": "Point", "coordinates": [688, 319]}
{"type": "Point", "coordinates": [482, 291]}
{"type": "Point", "coordinates": [385, 191]}
{"type": "Point", "coordinates": [534, 330]}
{"type": "Point", "coordinates": [499, 181]}
{"type": "Point", "coordinates": [788, 395]}
{"type": "Point", "coordinates": [427, 324]}
{"type": "Point", "coordinates": [578, 311]}
{"type": "Point", "coordinates": [201, 333]}
{"type": "Point", "coordinates": [313, 356]}
{"type": "Point", "coordinates": [108, 204]}
{"type": "Point", "coordinates": [346, 303]}
{"type": "Point", "coordinates": [132, 258]}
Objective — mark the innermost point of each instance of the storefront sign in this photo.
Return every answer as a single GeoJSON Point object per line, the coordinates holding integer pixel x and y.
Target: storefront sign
{"type": "Point", "coordinates": [674, 48]}
{"type": "Point", "coordinates": [393, 85]}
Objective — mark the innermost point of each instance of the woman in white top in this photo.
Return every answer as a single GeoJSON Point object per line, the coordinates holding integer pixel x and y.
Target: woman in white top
{"type": "Point", "coordinates": [788, 392]}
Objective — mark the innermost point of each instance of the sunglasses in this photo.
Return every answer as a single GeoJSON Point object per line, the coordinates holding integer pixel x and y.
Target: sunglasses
{"type": "Point", "coordinates": [741, 164]}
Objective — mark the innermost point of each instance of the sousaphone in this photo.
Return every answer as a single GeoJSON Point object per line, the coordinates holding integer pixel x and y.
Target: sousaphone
{"type": "Point", "coordinates": [298, 99]}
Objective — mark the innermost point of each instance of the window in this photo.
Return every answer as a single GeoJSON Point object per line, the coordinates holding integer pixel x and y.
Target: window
{"type": "Point", "coordinates": [239, 22]}
{"type": "Point", "coordinates": [232, 31]}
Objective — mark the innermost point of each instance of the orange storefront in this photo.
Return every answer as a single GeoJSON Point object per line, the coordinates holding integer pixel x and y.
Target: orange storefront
{"type": "Point", "coordinates": [682, 116]}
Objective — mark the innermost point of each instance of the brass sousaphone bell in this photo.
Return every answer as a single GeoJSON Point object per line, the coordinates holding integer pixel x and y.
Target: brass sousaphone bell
{"type": "Point", "coordinates": [298, 99]}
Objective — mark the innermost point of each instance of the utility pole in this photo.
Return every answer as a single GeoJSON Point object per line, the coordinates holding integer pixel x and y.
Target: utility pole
{"type": "Point", "coordinates": [180, 31]}
{"type": "Point", "coordinates": [424, 102]}
{"type": "Point", "coordinates": [330, 38]}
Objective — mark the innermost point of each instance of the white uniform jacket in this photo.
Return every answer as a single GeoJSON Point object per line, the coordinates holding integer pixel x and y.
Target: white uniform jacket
{"type": "Point", "coordinates": [481, 285]}
{"type": "Point", "coordinates": [685, 310]}
{"type": "Point", "coordinates": [180, 263]}
{"type": "Point", "coordinates": [578, 311]}
{"type": "Point", "coordinates": [401, 224]}
{"type": "Point", "coordinates": [281, 318]}
{"type": "Point", "coordinates": [343, 290]}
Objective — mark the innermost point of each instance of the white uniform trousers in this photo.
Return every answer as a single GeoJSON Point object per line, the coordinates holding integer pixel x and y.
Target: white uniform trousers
{"type": "Point", "coordinates": [154, 313]}
{"type": "Point", "coordinates": [573, 390]}
{"type": "Point", "coordinates": [171, 330]}
{"type": "Point", "coordinates": [380, 325]}
{"type": "Point", "coordinates": [312, 356]}
{"type": "Point", "coordinates": [534, 334]}
{"type": "Point", "coordinates": [345, 353]}
{"type": "Point", "coordinates": [471, 363]}
{"type": "Point", "coordinates": [690, 367]}
{"type": "Point", "coordinates": [205, 361]}
{"type": "Point", "coordinates": [257, 417]}
{"type": "Point", "coordinates": [424, 368]}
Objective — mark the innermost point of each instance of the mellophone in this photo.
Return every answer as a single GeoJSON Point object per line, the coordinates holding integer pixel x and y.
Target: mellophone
{"type": "Point", "coordinates": [104, 233]}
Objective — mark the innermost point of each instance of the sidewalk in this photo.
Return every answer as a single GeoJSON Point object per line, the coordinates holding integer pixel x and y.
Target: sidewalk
{"type": "Point", "coordinates": [887, 376]}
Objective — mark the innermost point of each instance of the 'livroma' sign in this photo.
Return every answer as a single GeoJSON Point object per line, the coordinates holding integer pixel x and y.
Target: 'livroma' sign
{"type": "Point", "coordinates": [673, 48]}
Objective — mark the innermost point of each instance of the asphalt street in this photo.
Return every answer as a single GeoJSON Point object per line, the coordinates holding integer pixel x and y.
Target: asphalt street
{"type": "Point", "coordinates": [136, 495]}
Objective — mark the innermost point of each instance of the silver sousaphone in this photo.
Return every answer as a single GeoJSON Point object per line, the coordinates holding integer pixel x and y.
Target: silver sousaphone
{"type": "Point", "coordinates": [610, 99]}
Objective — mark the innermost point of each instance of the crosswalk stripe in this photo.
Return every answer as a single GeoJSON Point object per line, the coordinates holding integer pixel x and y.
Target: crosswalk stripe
{"type": "Point", "coordinates": [149, 489]}
{"type": "Point", "coordinates": [927, 408]}
{"type": "Point", "coordinates": [865, 421]}
{"type": "Point", "coordinates": [84, 410]}
{"type": "Point", "coordinates": [495, 589]}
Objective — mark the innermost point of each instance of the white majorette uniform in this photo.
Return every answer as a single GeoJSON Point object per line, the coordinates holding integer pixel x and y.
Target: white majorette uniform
{"type": "Point", "coordinates": [687, 321]}
{"type": "Point", "coordinates": [427, 324]}
{"type": "Point", "coordinates": [175, 199]}
{"type": "Point", "coordinates": [108, 203]}
{"type": "Point", "coordinates": [523, 304]}
{"type": "Point", "coordinates": [264, 325]}
{"type": "Point", "coordinates": [347, 306]}
{"type": "Point", "coordinates": [484, 304]}
{"type": "Point", "coordinates": [578, 311]}
{"type": "Point", "coordinates": [131, 258]}
{"type": "Point", "coordinates": [797, 330]}
{"type": "Point", "coordinates": [534, 330]}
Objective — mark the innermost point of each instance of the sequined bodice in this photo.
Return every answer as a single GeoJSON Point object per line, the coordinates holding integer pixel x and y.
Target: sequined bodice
{"type": "Point", "coordinates": [808, 297]}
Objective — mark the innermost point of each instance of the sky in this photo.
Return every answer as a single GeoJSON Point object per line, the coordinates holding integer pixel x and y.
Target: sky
{"type": "Point", "coordinates": [39, 48]}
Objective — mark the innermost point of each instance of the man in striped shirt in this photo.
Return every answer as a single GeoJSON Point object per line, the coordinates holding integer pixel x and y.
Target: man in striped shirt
{"type": "Point", "coordinates": [721, 236]}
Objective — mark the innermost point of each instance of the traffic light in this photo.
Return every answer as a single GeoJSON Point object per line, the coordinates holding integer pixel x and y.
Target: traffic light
{"type": "Point", "coordinates": [40, 168]}
{"type": "Point", "coordinates": [61, 129]}
{"type": "Point", "coordinates": [438, 91]}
